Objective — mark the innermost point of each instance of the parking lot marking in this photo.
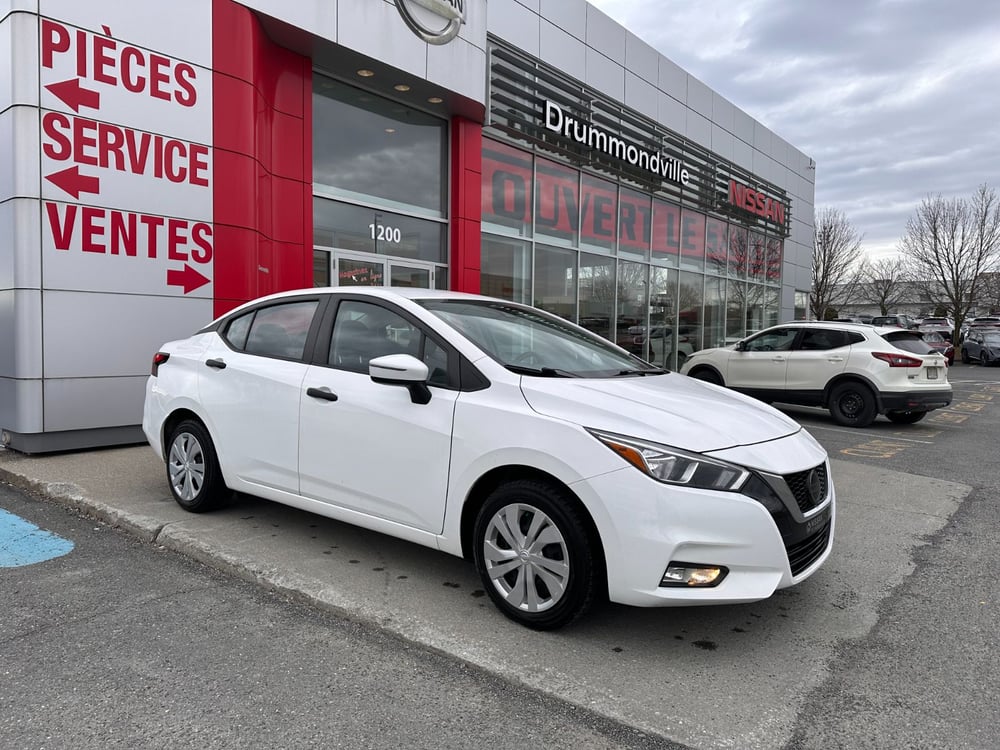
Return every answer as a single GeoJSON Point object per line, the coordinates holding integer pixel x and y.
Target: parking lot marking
{"type": "Point", "coordinates": [948, 417]}
{"type": "Point", "coordinates": [813, 426]}
{"type": "Point", "coordinates": [980, 397]}
{"type": "Point", "coordinates": [23, 543]}
{"type": "Point", "coordinates": [965, 406]}
{"type": "Point", "coordinates": [875, 449]}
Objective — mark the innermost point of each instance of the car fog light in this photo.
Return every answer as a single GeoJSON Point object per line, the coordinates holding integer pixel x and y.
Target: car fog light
{"type": "Point", "coordinates": [693, 576]}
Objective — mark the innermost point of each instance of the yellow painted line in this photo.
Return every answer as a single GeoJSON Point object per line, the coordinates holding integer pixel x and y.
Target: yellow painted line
{"type": "Point", "coordinates": [965, 406]}
{"type": "Point", "coordinates": [979, 397]}
{"type": "Point", "coordinates": [855, 433]}
{"type": "Point", "coordinates": [948, 417]}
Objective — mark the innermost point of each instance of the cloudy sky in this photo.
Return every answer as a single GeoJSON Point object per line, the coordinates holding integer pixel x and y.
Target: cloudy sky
{"type": "Point", "coordinates": [896, 100]}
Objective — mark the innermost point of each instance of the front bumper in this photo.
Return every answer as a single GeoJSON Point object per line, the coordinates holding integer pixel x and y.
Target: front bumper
{"type": "Point", "coordinates": [652, 524]}
{"type": "Point", "coordinates": [915, 400]}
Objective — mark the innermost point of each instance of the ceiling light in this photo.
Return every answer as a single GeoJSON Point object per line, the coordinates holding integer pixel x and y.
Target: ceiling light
{"type": "Point", "coordinates": [365, 73]}
{"type": "Point", "coordinates": [401, 87]}
{"type": "Point", "coordinates": [435, 100]}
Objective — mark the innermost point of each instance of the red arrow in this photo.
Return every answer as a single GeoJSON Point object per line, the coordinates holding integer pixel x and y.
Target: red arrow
{"type": "Point", "coordinates": [187, 277]}
{"type": "Point", "coordinates": [71, 181]}
{"type": "Point", "coordinates": [73, 95]}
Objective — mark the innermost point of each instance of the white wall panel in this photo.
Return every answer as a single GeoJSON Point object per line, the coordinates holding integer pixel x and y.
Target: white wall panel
{"type": "Point", "coordinates": [641, 95]}
{"type": "Point", "coordinates": [641, 59]}
{"type": "Point", "coordinates": [568, 15]}
{"type": "Point", "coordinates": [513, 22]}
{"type": "Point", "coordinates": [19, 148]}
{"type": "Point", "coordinates": [698, 129]}
{"type": "Point", "coordinates": [89, 334]}
{"type": "Point", "coordinates": [21, 405]}
{"type": "Point", "coordinates": [605, 35]}
{"type": "Point", "coordinates": [460, 70]}
{"type": "Point", "coordinates": [673, 114]}
{"type": "Point", "coordinates": [562, 50]}
{"type": "Point", "coordinates": [673, 79]}
{"type": "Point", "coordinates": [376, 29]}
{"type": "Point", "coordinates": [699, 97]}
{"type": "Point", "coordinates": [181, 28]}
{"type": "Point", "coordinates": [605, 75]}
{"type": "Point", "coordinates": [20, 333]}
{"type": "Point", "coordinates": [319, 18]}
{"type": "Point", "coordinates": [18, 59]}
{"type": "Point", "coordinates": [88, 403]}
{"type": "Point", "coordinates": [21, 260]}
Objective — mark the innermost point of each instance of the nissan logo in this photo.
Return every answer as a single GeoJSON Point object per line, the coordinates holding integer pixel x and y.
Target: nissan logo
{"type": "Point", "coordinates": [424, 18]}
{"type": "Point", "coordinates": [815, 484]}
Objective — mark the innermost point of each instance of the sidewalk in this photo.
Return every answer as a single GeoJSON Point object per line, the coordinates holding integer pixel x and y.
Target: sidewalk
{"type": "Point", "coordinates": [624, 663]}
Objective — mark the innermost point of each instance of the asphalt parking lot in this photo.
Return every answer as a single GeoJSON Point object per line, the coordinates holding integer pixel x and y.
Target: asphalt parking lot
{"type": "Point", "coordinates": [759, 675]}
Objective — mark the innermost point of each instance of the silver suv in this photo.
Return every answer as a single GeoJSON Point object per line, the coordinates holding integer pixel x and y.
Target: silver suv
{"type": "Point", "coordinates": [856, 371]}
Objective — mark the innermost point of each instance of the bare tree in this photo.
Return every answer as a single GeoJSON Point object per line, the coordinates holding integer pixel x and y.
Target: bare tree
{"type": "Point", "coordinates": [952, 243]}
{"type": "Point", "coordinates": [837, 262]}
{"type": "Point", "coordinates": [884, 283]}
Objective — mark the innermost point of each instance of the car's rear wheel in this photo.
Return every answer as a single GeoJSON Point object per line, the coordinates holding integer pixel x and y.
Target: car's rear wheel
{"type": "Point", "coordinates": [853, 405]}
{"type": "Point", "coordinates": [193, 469]}
{"type": "Point", "coordinates": [533, 554]}
{"type": "Point", "coordinates": [707, 374]}
{"type": "Point", "coordinates": [905, 417]}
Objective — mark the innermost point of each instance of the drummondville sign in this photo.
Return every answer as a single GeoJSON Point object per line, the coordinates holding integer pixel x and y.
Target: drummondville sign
{"type": "Point", "coordinates": [663, 166]}
{"type": "Point", "coordinates": [424, 17]}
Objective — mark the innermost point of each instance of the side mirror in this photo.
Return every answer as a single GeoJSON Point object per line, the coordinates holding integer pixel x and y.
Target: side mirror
{"type": "Point", "coordinates": [741, 346]}
{"type": "Point", "coordinates": [405, 370]}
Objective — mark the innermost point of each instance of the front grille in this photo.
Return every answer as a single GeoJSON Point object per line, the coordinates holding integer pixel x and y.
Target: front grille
{"type": "Point", "coordinates": [803, 554]}
{"type": "Point", "coordinates": [798, 483]}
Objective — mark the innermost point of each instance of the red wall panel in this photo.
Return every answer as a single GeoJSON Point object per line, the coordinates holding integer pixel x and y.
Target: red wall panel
{"type": "Point", "coordinates": [262, 167]}
{"type": "Point", "coordinates": [466, 204]}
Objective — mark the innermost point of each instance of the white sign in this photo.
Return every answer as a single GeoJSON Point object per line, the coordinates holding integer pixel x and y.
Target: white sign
{"type": "Point", "coordinates": [126, 164]}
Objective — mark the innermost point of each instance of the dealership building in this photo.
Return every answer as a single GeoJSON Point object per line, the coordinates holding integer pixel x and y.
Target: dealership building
{"type": "Point", "coordinates": [164, 162]}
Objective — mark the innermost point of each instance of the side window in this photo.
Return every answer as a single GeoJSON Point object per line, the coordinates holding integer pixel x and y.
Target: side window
{"type": "Point", "coordinates": [237, 330]}
{"type": "Point", "coordinates": [363, 331]}
{"type": "Point", "coordinates": [816, 339]}
{"type": "Point", "coordinates": [280, 330]}
{"type": "Point", "coordinates": [773, 341]}
{"type": "Point", "coordinates": [853, 337]}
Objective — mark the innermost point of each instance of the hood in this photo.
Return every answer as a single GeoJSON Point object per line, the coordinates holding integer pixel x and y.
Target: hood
{"type": "Point", "coordinates": [672, 409]}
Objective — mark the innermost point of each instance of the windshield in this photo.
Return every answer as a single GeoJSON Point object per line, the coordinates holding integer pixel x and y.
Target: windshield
{"type": "Point", "coordinates": [991, 338]}
{"type": "Point", "coordinates": [532, 342]}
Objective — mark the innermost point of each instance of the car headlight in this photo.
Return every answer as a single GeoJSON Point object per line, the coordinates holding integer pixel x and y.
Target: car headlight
{"type": "Point", "coordinates": [676, 466]}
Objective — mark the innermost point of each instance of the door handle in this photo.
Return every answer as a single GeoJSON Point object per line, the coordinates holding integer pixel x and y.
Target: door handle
{"type": "Point", "coordinates": [777, 359]}
{"type": "Point", "coordinates": [324, 393]}
{"type": "Point", "coordinates": [218, 364]}
{"type": "Point", "coordinates": [834, 359]}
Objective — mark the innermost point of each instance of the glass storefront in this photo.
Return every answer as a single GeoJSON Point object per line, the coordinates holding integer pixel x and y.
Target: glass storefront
{"type": "Point", "coordinates": [379, 188]}
{"type": "Point", "coordinates": [659, 279]}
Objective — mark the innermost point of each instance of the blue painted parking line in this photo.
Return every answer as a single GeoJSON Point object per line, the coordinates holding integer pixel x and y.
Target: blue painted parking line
{"type": "Point", "coordinates": [23, 543]}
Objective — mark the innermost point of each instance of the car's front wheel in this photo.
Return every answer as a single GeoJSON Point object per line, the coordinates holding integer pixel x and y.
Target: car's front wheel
{"type": "Point", "coordinates": [533, 554]}
{"type": "Point", "coordinates": [707, 374]}
{"type": "Point", "coordinates": [193, 468]}
{"type": "Point", "coordinates": [965, 356]}
{"type": "Point", "coordinates": [905, 417]}
{"type": "Point", "coordinates": [853, 405]}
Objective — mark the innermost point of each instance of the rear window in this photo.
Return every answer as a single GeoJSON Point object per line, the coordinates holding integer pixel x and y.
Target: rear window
{"type": "Point", "coordinates": [909, 341]}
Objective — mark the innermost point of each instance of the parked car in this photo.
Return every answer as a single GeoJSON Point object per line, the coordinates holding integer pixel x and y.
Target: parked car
{"type": "Point", "coordinates": [944, 326]}
{"type": "Point", "coordinates": [564, 466]}
{"type": "Point", "coordinates": [897, 320]}
{"type": "Point", "coordinates": [939, 342]}
{"type": "Point", "coordinates": [855, 371]}
{"type": "Point", "coordinates": [660, 344]}
{"type": "Point", "coordinates": [982, 344]}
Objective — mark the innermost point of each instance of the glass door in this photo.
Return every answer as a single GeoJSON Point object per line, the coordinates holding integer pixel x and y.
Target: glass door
{"type": "Point", "coordinates": [401, 274]}
{"type": "Point", "coordinates": [354, 271]}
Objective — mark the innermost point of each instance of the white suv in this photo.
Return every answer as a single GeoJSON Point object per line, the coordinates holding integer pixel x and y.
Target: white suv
{"type": "Point", "coordinates": [856, 371]}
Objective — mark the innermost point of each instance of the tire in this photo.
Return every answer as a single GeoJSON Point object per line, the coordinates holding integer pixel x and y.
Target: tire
{"type": "Point", "coordinates": [853, 405]}
{"type": "Point", "coordinates": [542, 586]}
{"type": "Point", "coordinates": [708, 375]}
{"type": "Point", "coordinates": [905, 417]}
{"type": "Point", "coordinates": [965, 356]}
{"type": "Point", "coordinates": [193, 469]}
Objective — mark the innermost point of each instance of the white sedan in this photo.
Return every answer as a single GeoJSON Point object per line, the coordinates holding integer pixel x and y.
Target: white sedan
{"type": "Point", "coordinates": [566, 468]}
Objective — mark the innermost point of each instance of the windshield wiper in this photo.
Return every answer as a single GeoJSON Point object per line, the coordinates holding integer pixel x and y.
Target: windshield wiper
{"type": "Point", "coordinates": [543, 372]}
{"type": "Point", "coordinates": [643, 373]}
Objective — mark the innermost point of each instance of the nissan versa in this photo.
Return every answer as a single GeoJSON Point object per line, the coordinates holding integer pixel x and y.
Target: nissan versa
{"type": "Point", "coordinates": [566, 468]}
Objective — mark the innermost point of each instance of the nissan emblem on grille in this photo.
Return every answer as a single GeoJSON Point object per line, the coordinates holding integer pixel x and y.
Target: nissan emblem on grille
{"type": "Point", "coordinates": [815, 484]}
